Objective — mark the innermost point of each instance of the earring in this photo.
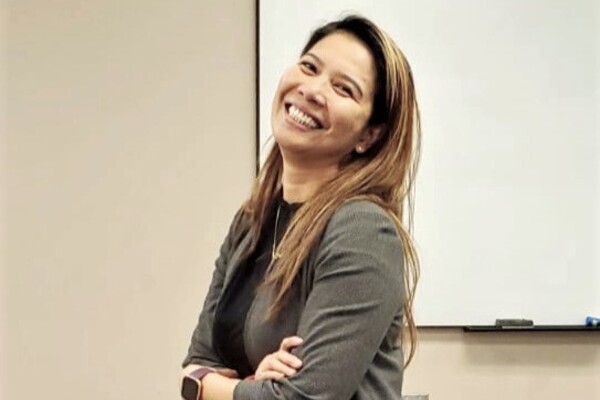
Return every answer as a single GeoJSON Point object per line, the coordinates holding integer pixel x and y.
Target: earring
{"type": "Point", "coordinates": [360, 149]}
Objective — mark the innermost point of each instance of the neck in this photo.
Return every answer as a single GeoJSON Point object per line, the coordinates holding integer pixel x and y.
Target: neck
{"type": "Point", "coordinates": [300, 182]}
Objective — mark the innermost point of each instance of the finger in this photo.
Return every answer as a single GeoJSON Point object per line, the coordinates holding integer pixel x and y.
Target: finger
{"type": "Point", "coordinates": [290, 342]}
{"type": "Point", "coordinates": [289, 359]}
{"type": "Point", "coordinates": [278, 366]}
{"type": "Point", "coordinates": [269, 375]}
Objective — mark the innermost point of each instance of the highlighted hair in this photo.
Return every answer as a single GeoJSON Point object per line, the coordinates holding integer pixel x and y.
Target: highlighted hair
{"type": "Point", "coordinates": [384, 174]}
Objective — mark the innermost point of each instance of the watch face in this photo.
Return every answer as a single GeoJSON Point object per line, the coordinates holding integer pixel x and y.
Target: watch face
{"type": "Point", "coordinates": [189, 388]}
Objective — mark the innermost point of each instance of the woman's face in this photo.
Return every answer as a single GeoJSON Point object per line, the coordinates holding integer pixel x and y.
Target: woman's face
{"type": "Point", "coordinates": [323, 103]}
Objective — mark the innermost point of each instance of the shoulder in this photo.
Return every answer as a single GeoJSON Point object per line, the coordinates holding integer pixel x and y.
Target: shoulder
{"type": "Point", "coordinates": [361, 238]}
{"type": "Point", "coordinates": [238, 228]}
{"type": "Point", "coordinates": [362, 226]}
{"type": "Point", "coordinates": [361, 215]}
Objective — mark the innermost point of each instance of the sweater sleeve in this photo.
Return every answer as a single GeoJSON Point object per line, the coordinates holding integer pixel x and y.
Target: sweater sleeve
{"type": "Point", "coordinates": [201, 350]}
{"type": "Point", "coordinates": [357, 291]}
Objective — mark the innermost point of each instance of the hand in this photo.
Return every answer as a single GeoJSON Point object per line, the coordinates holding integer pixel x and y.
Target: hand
{"type": "Point", "coordinates": [282, 363]}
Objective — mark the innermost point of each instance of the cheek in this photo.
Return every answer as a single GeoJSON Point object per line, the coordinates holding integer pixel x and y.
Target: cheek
{"type": "Point", "coordinates": [350, 116]}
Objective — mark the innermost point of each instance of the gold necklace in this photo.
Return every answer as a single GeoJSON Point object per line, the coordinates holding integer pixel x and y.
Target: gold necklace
{"type": "Point", "coordinates": [274, 254]}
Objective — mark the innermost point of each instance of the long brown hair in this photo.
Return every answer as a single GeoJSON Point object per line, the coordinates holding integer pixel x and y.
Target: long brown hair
{"type": "Point", "coordinates": [384, 174]}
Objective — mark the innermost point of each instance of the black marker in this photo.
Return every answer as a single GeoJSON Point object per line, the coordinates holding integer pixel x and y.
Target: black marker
{"type": "Point", "coordinates": [514, 323]}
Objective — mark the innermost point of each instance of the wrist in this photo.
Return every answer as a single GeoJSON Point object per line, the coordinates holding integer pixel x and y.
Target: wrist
{"type": "Point", "coordinates": [191, 386]}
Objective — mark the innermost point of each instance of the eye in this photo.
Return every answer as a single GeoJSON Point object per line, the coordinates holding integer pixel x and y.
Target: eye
{"type": "Point", "coordinates": [307, 66]}
{"type": "Point", "coordinates": [344, 89]}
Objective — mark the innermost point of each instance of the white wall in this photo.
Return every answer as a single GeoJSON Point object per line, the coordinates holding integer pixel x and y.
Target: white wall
{"type": "Point", "coordinates": [130, 144]}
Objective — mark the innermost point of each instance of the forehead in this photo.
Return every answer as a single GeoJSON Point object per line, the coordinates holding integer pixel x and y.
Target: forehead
{"type": "Point", "coordinates": [343, 53]}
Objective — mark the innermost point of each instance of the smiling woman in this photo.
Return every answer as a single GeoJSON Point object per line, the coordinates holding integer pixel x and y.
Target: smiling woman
{"type": "Point", "coordinates": [323, 103]}
{"type": "Point", "coordinates": [312, 292]}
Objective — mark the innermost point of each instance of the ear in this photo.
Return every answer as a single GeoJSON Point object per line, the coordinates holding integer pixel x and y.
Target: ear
{"type": "Point", "coordinates": [368, 138]}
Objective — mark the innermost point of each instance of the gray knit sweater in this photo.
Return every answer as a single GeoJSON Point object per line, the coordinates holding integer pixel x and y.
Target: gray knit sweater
{"type": "Point", "coordinates": [346, 304]}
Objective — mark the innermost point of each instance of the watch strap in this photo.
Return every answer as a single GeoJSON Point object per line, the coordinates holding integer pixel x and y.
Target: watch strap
{"type": "Point", "coordinates": [201, 372]}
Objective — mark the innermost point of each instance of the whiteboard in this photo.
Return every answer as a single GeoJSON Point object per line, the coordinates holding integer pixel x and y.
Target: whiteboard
{"type": "Point", "coordinates": [507, 218]}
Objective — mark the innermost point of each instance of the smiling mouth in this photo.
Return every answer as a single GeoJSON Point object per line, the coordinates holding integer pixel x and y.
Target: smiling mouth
{"type": "Point", "coordinates": [302, 118]}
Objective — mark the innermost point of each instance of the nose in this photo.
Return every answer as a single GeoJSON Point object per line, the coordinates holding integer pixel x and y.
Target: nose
{"type": "Point", "coordinates": [313, 91]}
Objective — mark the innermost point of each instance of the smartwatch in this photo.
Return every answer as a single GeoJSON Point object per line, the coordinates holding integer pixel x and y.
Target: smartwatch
{"type": "Point", "coordinates": [191, 386]}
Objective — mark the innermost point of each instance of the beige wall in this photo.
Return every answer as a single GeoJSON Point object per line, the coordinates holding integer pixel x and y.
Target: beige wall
{"type": "Point", "coordinates": [131, 134]}
{"type": "Point", "coordinates": [453, 365]}
{"type": "Point", "coordinates": [130, 144]}
{"type": "Point", "coordinates": [3, 226]}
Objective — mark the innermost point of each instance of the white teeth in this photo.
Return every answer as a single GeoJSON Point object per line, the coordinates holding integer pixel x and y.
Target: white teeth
{"type": "Point", "coordinates": [301, 117]}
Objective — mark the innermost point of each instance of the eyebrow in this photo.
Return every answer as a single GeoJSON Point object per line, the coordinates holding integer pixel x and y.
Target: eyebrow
{"type": "Point", "coordinates": [344, 76]}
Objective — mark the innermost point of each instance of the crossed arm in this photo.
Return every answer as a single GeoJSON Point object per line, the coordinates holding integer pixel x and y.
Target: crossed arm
{"type": "Point", "coordinates": [357, 292]}
{"type": "Point", "coordinates": [275, 366]}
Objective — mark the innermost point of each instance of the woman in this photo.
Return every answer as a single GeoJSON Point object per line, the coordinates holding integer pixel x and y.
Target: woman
{"type": "Point", "coordinates": [315, 280]}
